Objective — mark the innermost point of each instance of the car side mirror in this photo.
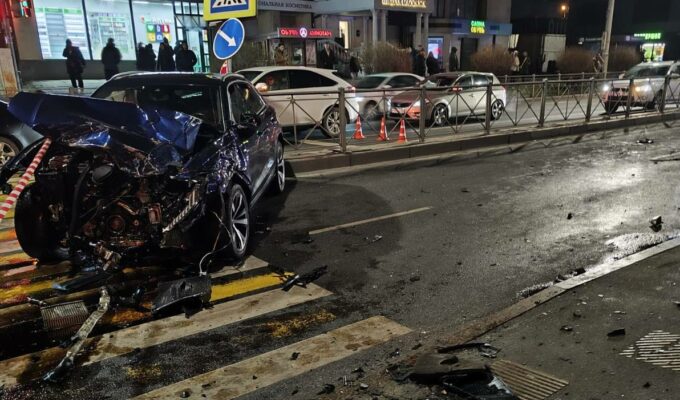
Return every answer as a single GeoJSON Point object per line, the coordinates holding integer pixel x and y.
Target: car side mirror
{"type": "Point", "coordinates": [675, 75]}
{"type": "Point", "coordinates": [262, 87]}
{"type": "Point", "coordinates": [456, 89]}
{"type": "Point", "coordinates": [621, 76]}
{"type": "Point", "coordinates": [387, 86]}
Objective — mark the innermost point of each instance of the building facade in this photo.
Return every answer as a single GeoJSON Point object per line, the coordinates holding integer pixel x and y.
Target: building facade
{"type": "Point", "coordinates": [437, 25]}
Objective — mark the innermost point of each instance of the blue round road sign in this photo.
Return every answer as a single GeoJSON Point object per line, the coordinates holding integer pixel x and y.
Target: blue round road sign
{"type": "Point", "coordinates": [228, 39]}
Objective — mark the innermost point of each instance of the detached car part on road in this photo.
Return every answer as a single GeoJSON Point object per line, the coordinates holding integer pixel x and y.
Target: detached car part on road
{"type": "Point", "coordinates": [170, 168]}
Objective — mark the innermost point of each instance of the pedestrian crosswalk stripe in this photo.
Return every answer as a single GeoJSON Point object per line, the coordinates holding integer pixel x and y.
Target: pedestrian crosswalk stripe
{"type": "Point", "coordinates": [7, 234]}
{"type": "Point", "coordinates": [236, 379]}
{"type": "Point", "coordinates": [9, 246]}
{"type": "Point", "coordinates": [163, 330]}
{"type": "Point", "coordinates": [14, 258]}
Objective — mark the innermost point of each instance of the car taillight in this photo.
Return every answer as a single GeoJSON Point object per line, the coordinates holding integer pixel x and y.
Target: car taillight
{"type": "Point", "coordinates": [351, 89]}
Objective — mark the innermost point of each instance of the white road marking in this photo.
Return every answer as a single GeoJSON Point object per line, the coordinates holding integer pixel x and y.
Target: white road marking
{"type": "Point", "coordinates": [367, 221]}
{"type": "Point", "coordinates": [172, 328]}
{"type": "Point", "coordinates": [237, 379]}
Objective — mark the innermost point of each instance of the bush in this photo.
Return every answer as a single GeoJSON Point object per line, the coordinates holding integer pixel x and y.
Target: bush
{"type": "Point", "coordinates": [250, 55]}
{"type": "Point", "coordinates": [492, 59]}
{"type": "Point", "coordinates": [385, 57]}
{"type": "Point", "coordinates": [622, 58]}
{"type": "Point", "coordinates": [574, 60]}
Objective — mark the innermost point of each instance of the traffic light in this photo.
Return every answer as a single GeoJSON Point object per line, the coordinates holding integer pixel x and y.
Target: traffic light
{"type": "Point", "coordinates": [22, 8]}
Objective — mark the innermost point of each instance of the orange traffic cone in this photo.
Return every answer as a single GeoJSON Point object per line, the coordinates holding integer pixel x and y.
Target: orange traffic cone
{"type": "Point", "coordinates": [402, 133]}
{"type": "Point", "coordinates": [358, 133]}
{"type": "Point", "coordinates": [383, 132]}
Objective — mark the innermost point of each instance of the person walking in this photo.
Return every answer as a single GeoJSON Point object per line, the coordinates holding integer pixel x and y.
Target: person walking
{"type": "Point", "coordinates": [280, 55]}
{"type": "Point", "coordinates": [166, 62]}
{"type": "Point", "coordinates": [110, 58]}
{"type": "Point", "coordinates": [75, 63]}
{"type": "Point", "coordinates": [185, 58]}
{"type": "Point", "coordinates": [147, 61]}
{"type": "Point", "coordinates": [514, 67]}
{"type": "Point", "coordinates": [453, 60]}
{"type": "Point", "coordinates": [139, 54]}
{"type": "Point", "coordinates": [420, 67]}
{"type": "Point", "coordinates": [525, 65]}
{"type": "Point", "coordinates": [432, 64]}
{"type": "Point", "coordinates": [354, 66]}
{"type": "Point", "coordinates": [326, 57]}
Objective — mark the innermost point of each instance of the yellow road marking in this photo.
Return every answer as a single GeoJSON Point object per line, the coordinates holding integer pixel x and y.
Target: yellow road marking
{"type": "Point", "coordinates": [366, 221]}
{"type": "Point", "coordinates": [236, 379]}
{"type": "Point", "coordinates": [15, 258]}
{"type": "Point", "coordinates": [17, 294]}
{"type": "Point", "coordinates": [290, 326]}
{"type": "Point", "coordinates": [8, 234]}
{"type": "Point", "coordinates": [9, 246]}
{"type": "Point", "coordinates": [245, 285]}
{"type": "Point", "coordinates": [163, 330]}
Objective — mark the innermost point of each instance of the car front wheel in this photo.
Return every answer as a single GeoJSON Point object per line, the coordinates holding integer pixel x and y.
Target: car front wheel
{"type": "Point", "coordinates": [8, 149]}
{"type": "Point", "coordinates": [496, 109]}
{"type": "Point", "coordinates": [440, 115]}
{"type": "Point", "coordinates": [37, 236]}
{"type": "Point", "coordinates": [238, 220]}
{"type": "Point", "coordinates": [278, 184]}
{"type": "Point", "coordinates": [331, 123]}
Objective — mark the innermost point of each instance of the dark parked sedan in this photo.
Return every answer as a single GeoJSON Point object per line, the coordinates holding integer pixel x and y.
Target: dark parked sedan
{"type": "Point", "coordinates": [14, 135]}
{"type": "Point", "coordinates": [156, 163]}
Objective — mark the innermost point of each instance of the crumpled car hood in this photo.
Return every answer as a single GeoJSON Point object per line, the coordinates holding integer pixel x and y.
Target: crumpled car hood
{"type": "Point", "coordinates": [142, 141]}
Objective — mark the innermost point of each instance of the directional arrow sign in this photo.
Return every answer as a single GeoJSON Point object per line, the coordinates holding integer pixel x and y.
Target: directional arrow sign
{"type": "Point", "coordinates": [228, 39]}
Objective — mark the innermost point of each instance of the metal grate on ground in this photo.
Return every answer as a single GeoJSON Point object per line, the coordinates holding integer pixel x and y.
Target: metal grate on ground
{"type": "Point", "coordinates": [526, 383]}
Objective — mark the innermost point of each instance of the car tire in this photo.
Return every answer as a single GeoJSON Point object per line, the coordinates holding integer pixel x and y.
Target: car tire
{"type": "Point", "coordinates": [330, 126]}
{"type": "Point", "coordinates": [278, 182]}
{"type": "Point", "coordinates": [237, 219]}
{"type": "Point", "coordinates": [8, 149]}
{"type": "Point", "coordinates": [655, 102]}
{"type": "Point", "coordinates": [36, 234]}
{"type": "Point", "coordinates": [440, 115]}
{"type": "Point", "coordinates": [610, 107]}
{"type": "Point", "coordinates": [496, 109]}
{"type": "Point", "coordinates": [371, 110]}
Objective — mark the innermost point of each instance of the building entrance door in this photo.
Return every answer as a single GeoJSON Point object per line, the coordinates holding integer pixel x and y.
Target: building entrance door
{"type": "Point", "coordinates": [468, 47]}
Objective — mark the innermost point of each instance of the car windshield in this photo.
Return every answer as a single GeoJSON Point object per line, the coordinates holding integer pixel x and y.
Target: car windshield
{"type": "Point", "coordinates": [370, 82]}
{"type": "Point", "coordinates": [439, 81]}
{"type": "Point", "coordinates": [250, 75]}
{"type": "Point", "coordinates": [198, 101]}
{"type": "Point", "coordinates": [643, 71]}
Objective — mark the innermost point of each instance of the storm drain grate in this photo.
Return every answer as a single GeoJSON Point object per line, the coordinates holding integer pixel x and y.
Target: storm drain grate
{"type": "Point", "coordinates": [658, 348]}
{"type": "Point", "coordinates": [526, 383]}
{"type": "Point", "coordinates": [64, 316]}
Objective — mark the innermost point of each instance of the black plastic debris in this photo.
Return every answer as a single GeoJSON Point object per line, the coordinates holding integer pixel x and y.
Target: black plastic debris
{"type": "Point", "coordinates": [656, 223]}
{"type": "Point", "coordinates": [185, 394]}
{"type": "Point", "coordinates": [294, 356]}
{"type": "Point", "coordinates": [645, 141]}
{"type": "Point", "coordinates": [92, 279]}
{"type": "Point", "coordinates": [570, 216]}
{"type": "Point", "coordinates": [414, 278]}
{"type": "Point", "coordinates": [617, 332]}
{"type": "Point", "coordinates": [327, 389]}
{"type": "Point", "coordinates": [478, 384]}
{"type": "Point", "coordinates": [304, 279]}
{"type": "Point", "coordinates": [566, 328]}
{"type": "Point", "coordinates": [676, 302]}
{"type": "Point", "coordinates": [192, 291]}
{"type": "Point", "coordinates": [395, 353]}
{"type": "Point", "coordinates": [374, 239]}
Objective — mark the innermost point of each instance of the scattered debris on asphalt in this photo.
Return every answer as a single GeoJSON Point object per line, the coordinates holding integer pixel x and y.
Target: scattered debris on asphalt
{"type": "Point", "coordinates": [414, 278]}
{"type": "Point", "coordinates": [577, 314]}
{"type": "Point", "coordinates": [645, 141]}
{"type": "Point", "coordinates": [656, 224]}
{"type": "Point", "coordinates": [567, 328]}
{"type": "Point", "coordinates": [327, 389]}
{"type": "Point", "coordinates": [294, 356]}
{"type": "Point", "coordinates": [617, 332]}
{"type": "Point", "coordinates": [533, 289]}
{"type": "Point", "coordinates": [373, 239]}
{"type": "Point", "coordinates": [363, 386]}
{"type": "Point", "coordinates": [191, 294]}
{"type": "Point", "coordinates": [676, 302]}
{"type": "Point", "coordinates": [304, 279]}
{"type": "Point", "coordinates": [395, 353]}
{"type": "Point", "coordinates": [646, 385]}
{"type": "Point", "coordinates": [570, 216]}
{"type": "Point", "coordinates": [464, 190]}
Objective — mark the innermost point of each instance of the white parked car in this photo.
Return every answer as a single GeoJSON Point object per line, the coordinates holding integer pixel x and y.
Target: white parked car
{"type": "Point", "coordinates": [451, 95]}
{"type": "Point", "coordinates": [374, 103]}
{"type": "Point", "coordinates": [648, 82]}
{"type": "Point", "coordinates": [314, 90]}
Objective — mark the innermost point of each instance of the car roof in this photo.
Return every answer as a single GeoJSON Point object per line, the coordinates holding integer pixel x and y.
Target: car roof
{"type": "Point", "coordinates": [194, 78]}
{"type": "Point", "coordinates": [657, 63]}
{"type": "Point", "coordinates": [389, 75]}
{"type": "Point", "coordinates": [287, 67]}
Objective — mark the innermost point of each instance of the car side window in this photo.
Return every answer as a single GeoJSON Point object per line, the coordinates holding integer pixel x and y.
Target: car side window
{"type": "Point", "coordinates": [301, 79]}
{"type": "Point", "coordinates": [244, 100]}
{"type": "Point", "coordinates": [480, 80]}
{"type": "Point", "coordinates": [403, 81]}
{"type": "Point", "coordinates": [464, 82]}
{"type": "Point", "coordinates": [276, 80]}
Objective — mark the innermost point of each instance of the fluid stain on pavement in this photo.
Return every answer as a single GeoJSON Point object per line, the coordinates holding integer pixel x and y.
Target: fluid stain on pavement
{"type": "Point", "coordinates": [297, 324]}
{"type": "Point", "coordinates": [16, 292]}
{"type": "Point", "coordinates": [143, 373]}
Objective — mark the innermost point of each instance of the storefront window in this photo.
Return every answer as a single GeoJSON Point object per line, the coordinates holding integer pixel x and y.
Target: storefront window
{"type": "Point", "coordinates": [57, 21]}
{"type": "Point", "coordinates": [110, 19]}
{"type": "Point", "coordinates": [153, 22]}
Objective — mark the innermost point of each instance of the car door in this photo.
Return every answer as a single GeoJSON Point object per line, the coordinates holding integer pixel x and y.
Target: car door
{"type": "Point", "coordinates": [462, 99]}
{"type": "Point", "coordinates": [247, 112]}
{"type": "Point", "coordinates": [314, 94]}
{"type": "Point", "coordinates": [478, 92]}
{"type": "Point", "coordinates": [397, 85]}
{"type": "Point", "coordinates": [278, 94]}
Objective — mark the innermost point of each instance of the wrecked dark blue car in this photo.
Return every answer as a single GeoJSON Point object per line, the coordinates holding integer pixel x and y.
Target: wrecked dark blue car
{"type": "Point", "coordinates": [154, 163]}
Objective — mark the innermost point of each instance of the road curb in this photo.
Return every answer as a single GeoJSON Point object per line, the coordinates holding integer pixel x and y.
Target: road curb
{"type": "Point", "coordinates": [415, 150]}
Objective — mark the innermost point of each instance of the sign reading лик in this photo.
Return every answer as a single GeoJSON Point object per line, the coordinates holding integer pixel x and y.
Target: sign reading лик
{"type": "Point", "coordinates": [305, 33]}
{"type": "Point", "coordinates": [420, 5]}
{"type": "Point", "coordinates": [217, 10]}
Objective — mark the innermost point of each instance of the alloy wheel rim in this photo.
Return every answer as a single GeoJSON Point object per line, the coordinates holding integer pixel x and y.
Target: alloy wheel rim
{"type": "Point", "coordinates": [239, 221]}
{"type": "Point", "coordinates": [333, 122]}
{"type": "Point", "coordinates": [439, 116]}
{"type": "Point", "coordinates": [6, 153]}
{"type": "Point", "coordinates": [280, 167]}
{"type": "Point", "coordinates": [496, 110]}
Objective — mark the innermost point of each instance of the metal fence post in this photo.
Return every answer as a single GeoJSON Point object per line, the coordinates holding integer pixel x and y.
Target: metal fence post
{"type": "Point", "coordinates": [591, 90]}
{"type": "Point", "coordinates": [343, 119]}
{"type": "Point", "coordinates": [541, 118]}
{"type": "Point", "coordinates": [629, 98]}
{"type": "Point", "coordinates": [664, 93]}
{"type": "Point", "coordinates": [487, 121]}
{"type": "Point", "coordinates": [533, 86]}
{"type": "Point", "coordinates": [423, 116]}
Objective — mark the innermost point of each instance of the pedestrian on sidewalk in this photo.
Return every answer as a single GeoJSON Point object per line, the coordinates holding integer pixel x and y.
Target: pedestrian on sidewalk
{"type": "Point", "coordinates": [185, 58]}
{"type": "Point", "coordinates": [514, 67]}
{"type": "Point", "coordinates": [525, 65]}
{"type": "Point", "coordinates": [420, 68]}
{"type": "Point", "coordinates": [453, 60]}
{"type": "Point", "coordinates": [326, 57]}
{"type": "Point", "coordinates": [354, 66]}
{"type": "Point", "coordinates": [110, 58]}
{"type": "Point", "coordinates": [280, 55]}
{"type": "Point", "coordinates": [432, 64]}
{"type": "Point", "coordinates": [166, 62]}
{"type": "Point", "coordinates": [75, 63]}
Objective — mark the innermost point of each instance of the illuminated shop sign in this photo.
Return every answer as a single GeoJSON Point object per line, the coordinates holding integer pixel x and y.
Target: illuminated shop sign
{"type": "Point", "coordinates": [305, 33]}
{"type": "Point", "coordinates": [649, 35]}
{"type": "Point", "coordinates": [478, 27]}
{"type": "Point", "coordinates": [405, 3]}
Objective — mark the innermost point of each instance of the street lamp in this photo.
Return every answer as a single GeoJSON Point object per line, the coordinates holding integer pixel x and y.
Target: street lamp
{"type": "Point", "coordinates": [564, 8]}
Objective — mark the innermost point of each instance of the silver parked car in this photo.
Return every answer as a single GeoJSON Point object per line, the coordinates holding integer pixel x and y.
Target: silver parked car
{"type": "Point", "coordinates": [373, 103]}
{"type": "Point", "coordinates": [648, 85]}
{"type": "Point", "coordinates": [451, 95]}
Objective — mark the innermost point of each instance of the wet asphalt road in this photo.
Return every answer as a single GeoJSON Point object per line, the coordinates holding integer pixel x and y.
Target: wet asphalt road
{"type": "Point", "coordinates": [498, 224]}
